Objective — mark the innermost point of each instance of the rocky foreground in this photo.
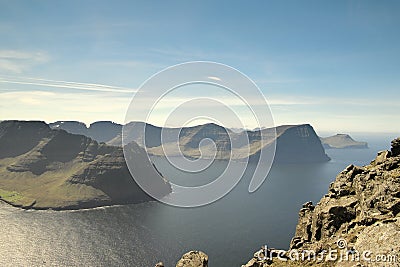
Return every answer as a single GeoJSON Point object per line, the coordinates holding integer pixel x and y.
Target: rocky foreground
{"type": "Point", "coordinates": [357, 223]}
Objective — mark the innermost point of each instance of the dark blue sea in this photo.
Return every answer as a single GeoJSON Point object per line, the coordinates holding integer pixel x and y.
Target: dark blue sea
{"type": "Point", "coordinates": [229, 230]}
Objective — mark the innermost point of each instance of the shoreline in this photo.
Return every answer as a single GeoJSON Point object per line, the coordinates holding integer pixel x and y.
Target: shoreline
{"type": "Point", "coordinates": [69, 208]}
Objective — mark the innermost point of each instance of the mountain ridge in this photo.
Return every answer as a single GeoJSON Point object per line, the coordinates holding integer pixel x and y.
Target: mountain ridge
{"type": "Point", "coordinates": [195, 142]}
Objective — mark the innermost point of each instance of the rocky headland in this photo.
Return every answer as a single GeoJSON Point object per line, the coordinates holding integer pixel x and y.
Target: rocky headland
{"type": "Point", "coordinates": [342, 141]}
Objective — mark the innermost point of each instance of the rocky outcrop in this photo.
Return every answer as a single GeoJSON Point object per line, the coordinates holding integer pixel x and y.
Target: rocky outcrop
{"type": "Point", "coordinates": [193, 259]}
{"type": "Point", "coordinates": [360, 213]}
{"type": "Point", "coordinates": [342, 141]}
{"type": "Point", "coordinates": [59, 170]}
{"type": "Point", "coordinates": [190, 259]}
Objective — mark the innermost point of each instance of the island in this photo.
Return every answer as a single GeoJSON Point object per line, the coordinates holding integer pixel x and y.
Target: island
{"type": "Point", "coordinates": [342, 141]}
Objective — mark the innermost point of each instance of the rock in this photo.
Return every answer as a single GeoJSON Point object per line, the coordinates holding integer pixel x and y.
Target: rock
{"type": "Point", "coordinates": [308, 205]}
{"type": "Point", "coordinates": [382, 157]}
{"type": "Point", "coordinates": [193, 259]}
{"type": "Point", "coordinates": [160, 264]}
{"type": "Point", "coordinates": [396, 147]}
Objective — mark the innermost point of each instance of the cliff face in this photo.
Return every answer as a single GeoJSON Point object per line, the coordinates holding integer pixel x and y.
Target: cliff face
{"type": "Point", "coordinates": [45, 168]}
{"type": "Point", "coordinates": [360, 213]}
{"type": "Point", "coordinates": [361, 207]}
{"type": "Point", "coordinates": [341, 141]}
{"type": "Point", "coordinates": [299, 144]}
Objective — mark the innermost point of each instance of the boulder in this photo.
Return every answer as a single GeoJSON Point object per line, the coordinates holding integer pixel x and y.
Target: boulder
{"type": "Point", "coordinates": [193, 259]}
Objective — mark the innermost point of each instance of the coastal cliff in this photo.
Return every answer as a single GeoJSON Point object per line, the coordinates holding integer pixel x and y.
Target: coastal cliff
{"type": "Point", "coordinates": [42, 168]}
{"type": "Point", "coordinates": [298, 144]}
{"type": "Point", "coordinates": [358, 218]}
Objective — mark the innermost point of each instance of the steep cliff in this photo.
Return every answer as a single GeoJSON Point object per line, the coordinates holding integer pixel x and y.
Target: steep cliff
{"type": "Point", "coordinates": [44, 168]}
{"type": "Point", "coordinates": [298, 144]}
{"type": "Point", "coordinates": [357, 221]}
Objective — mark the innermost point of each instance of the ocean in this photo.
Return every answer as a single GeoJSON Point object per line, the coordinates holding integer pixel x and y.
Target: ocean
{"type": "Point", "coordinates": [229, 230]}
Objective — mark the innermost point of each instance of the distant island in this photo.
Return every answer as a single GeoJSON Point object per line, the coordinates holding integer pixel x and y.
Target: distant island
{"type": "Point", "coordinates": [43, 168]}
{"type": "Point", "coordinates": [294, 143]}
{"type": "Point", "coordinates": [342, 141]}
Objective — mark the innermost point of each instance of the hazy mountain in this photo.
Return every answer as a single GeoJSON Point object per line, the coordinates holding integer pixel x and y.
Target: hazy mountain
{"type": "Point", "coordinates": [295, 143]}
{"type": "Point", "coordinates": [45, 168]}
{"type": "Point", "coordinates": [342, 141]}
{"type": "Point", "coordinates": [74, 127]}
{"type": "Point", "coordinates": [101, 131]}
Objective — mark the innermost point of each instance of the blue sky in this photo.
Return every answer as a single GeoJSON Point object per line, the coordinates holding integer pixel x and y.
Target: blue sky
{"type": "Point", "coordinates": [332, 64]}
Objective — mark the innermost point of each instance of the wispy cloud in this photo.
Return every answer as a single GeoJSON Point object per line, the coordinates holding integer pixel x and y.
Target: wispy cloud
{"type": "Point", "coordinates": [214, 78]}
{"type": "Point", "coordinates": [66, 84]}
{"type": "Point", "coordinates": [15, 61]}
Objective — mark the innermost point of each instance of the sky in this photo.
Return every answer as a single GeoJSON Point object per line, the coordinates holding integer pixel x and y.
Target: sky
{"type": "Point", "coordinates": [333, 64]}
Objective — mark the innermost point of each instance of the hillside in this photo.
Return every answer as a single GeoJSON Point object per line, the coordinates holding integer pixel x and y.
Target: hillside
{"type": "Point", "coordinates": [341, 141]}
{"type": "Point", "coordinates": [43, 168]}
